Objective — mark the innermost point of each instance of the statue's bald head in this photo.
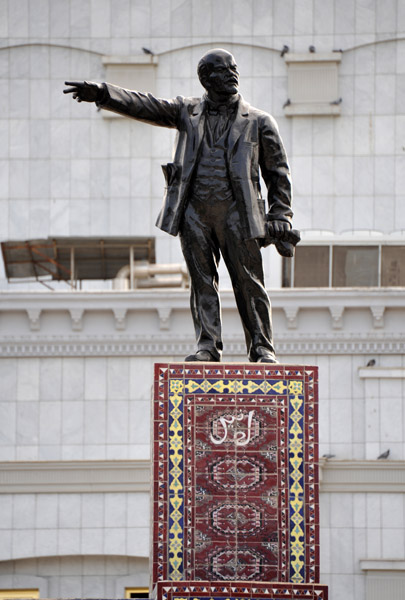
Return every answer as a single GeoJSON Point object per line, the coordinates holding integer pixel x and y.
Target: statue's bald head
{"type": "Point", "coordinates": [217, 60]}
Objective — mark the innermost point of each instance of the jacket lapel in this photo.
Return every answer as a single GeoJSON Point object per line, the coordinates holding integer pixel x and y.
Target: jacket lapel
{"type": "Point", "coordinates": [197, 121]}
{"type": "Point", "coordinates": [239, 125]}
{"type": "Point", "coordinates": [195, 136]}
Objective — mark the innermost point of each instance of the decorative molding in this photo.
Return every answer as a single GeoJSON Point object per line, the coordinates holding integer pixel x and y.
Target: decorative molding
{"type": "Point", "coordinates": [378, 316]}
{"type": "Point", "coordinates": [314, 108]}
{"type": "Point", "coordinates": [119, 315]}
{"type": "Point", "coordinates": [164, 318]}
{"type": "Point", "coordinates": [315, 57]}
{"type": "Point", "coordinates": [373, 476]}
{"type": "Point", "coordinates": [381, 564]}
{"type": "Point", "coordinates": [365, 298]}
{"type": "Point", "coordinates": [74, 476]}
{"type": "Point", "coordinates": [382, 372]}
{"type": "Point", "coordinates": [135, 59]}
{"type": "Point", "coordinates": [76, 315]}
{"type": "Point", "coordinates": [111, 345]}
{"type": "Point", "coordinates": [121, 334]}
{"type": "Point", "coordinates": [32, 477]}
{"type": "Point", "coordinates": [291, 313]}
{"type": "Point", "coordinates": [337, 316]}
{"type": "Point", "coordinates": [339, 343]}
{"type": "Point", "coordinates": [34, 318]}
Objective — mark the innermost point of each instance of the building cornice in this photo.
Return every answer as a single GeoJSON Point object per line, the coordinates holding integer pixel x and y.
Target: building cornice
{"type": "Point", "coordinates": [381, 373]}
{"type": "Point", "coordinates": [121, 316]}
{"type": "Point", "coordinates": [373, 476]}
{"type": "Point", "coordinates": [74, 476]}
{"type": "Point", "coordinates": [88, 345]}
{"type": "Point", "coordinates": [346, 476]}
{"type": "Point", "coordinates": [179, 298]}
{"type": "Point", "coordinates": [380, 564]}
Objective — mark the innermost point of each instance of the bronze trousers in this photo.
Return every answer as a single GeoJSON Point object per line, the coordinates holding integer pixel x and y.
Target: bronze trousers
{"type": "Point", "coordinates": [210, 229]}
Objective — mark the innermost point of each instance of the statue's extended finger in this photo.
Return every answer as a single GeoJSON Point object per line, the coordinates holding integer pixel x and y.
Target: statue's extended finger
{"type": "Point", "coordinates": [75, 83]}
{"type": "Point", "coordinates": [70, 90]}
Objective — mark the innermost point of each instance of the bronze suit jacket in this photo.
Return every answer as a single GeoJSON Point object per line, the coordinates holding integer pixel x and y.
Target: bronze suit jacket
{"type": "Point", "coordinates": [253, 142]}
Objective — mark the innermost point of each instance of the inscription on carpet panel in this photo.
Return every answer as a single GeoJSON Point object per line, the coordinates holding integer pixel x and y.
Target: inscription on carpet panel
{"type": "Point", "coordinates": [232, 500]}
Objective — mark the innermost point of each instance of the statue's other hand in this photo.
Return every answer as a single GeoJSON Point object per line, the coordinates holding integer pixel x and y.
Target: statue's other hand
{"type": "Point", "coordinates": [278, 229]}
{"type": "Point", "coordinates": [84, 91]}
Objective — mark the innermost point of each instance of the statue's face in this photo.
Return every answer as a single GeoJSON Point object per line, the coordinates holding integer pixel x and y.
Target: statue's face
{"type": "Point", "coordinates": [223, 74]}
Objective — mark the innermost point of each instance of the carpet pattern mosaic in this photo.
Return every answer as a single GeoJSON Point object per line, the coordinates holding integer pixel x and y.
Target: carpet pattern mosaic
{"type": "Point", "coordinates": [235, 493]}
{"type": "Point", "coordinates": [217, 590]}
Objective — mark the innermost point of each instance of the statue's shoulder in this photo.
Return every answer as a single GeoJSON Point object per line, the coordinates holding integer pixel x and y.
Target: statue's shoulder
{"type": "Point", "coordinates": [190, 104]}
{"type": "Point", "coordinates": [259, 113]}
{"type": "Point", "coordinates": [188, 101]}
{"type": "Point", "coordinates": [264, 118]}
{"type": "Point", "coordinates": [254, 112]}
{"type": "Point", "coordinates": [192, 100]}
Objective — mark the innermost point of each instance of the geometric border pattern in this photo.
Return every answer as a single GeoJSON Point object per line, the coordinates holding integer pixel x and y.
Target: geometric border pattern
{"type": "Point", "coordinates": [293, 390]}
{"type": "Point", "coordinates": [196, 590]}
{"type": "Point", "coordinates": [296, 475]}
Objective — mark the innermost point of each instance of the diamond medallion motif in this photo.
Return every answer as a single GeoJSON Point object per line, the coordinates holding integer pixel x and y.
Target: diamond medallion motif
{"type": "Point", "coordinates": [235, 491]}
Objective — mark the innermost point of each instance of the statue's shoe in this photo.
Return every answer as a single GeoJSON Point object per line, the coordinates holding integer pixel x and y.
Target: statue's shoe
{"type": "Point", "coordinates": [264, 355]}
{"type": "Point", "coordinates": [267, 359]}
{"type": "Point", "coordinates": [201, 356]}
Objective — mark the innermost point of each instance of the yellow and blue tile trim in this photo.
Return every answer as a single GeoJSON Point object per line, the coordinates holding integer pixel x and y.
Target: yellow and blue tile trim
{"type": "Point", "coordinates": [291, 393]}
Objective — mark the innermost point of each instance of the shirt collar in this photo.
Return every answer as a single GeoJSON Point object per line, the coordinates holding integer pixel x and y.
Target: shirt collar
{"type": "Point", "coordinates": [230, 104]}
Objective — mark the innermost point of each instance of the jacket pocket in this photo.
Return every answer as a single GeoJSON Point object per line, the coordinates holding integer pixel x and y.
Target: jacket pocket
{"type": "Point", "coordinates": [171, 173]}
{"type": "Point", "coordinates": [262, 207]}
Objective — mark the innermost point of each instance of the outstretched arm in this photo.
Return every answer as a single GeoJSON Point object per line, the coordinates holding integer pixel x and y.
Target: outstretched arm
{"type": "Point", "coordinates": [143, 107]}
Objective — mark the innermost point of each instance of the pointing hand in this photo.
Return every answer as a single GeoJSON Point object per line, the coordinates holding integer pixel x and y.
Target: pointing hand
{"type": "Point", "coordinates": [84, 91]}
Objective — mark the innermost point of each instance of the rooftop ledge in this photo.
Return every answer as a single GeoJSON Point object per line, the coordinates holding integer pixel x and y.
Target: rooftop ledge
{"type": "Point", "coordinates": [291, 300]}
{"type": "Point", "coordinates": [312, 57]}
{"type": "Point", "coordinates": [382, 564]}
{"type": "Point", "coordinates": [158, 322]}
{"type": "Point", "coordinates": [320, 295]}
{"type": "Point", "coordinates": [336, 476]}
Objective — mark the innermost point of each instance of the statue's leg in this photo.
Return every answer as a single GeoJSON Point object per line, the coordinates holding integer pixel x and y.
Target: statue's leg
{"type": "Point", "coordinates": [244, 262]}
{"type": "Point", "coordinates": [201, 254]}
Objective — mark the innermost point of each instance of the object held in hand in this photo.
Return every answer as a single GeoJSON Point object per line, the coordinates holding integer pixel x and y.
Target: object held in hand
{"type": "Point", "coordinates": [284, 244]}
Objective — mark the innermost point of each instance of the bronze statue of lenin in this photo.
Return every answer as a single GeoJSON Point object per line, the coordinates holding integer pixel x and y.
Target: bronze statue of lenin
{"type": "Point", "coordinates": [213, 198]}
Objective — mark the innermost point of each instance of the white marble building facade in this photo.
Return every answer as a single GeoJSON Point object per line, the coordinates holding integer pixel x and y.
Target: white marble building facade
{"type": "Point", "coordinates": [76, 366]}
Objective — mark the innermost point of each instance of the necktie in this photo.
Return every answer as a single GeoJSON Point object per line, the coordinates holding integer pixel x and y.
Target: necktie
{"type": "Point", "coordinates": [220, 113]}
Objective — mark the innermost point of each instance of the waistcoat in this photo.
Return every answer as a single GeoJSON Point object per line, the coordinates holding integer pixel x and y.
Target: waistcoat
{"type": "Point", "coordinates": [211, 178]}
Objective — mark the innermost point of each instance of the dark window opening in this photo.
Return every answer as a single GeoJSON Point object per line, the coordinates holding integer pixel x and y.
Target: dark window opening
{"type": "Point", "coordinates": [339, 265]}
{"type": "Point", "coordinates": [136, 592]}
{"type": "Point", "coordinates": [393, 266]}
{"type": "Point", "coordinates": [355, 266]}
{"type": "Point", "coordinates": [311, 267]}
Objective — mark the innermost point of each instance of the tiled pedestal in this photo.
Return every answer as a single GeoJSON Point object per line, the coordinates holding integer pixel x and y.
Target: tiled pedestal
{"type": "Point", "coordinates": [204, 590]}
{"type": "Point", "coordinates": [235, 475]}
